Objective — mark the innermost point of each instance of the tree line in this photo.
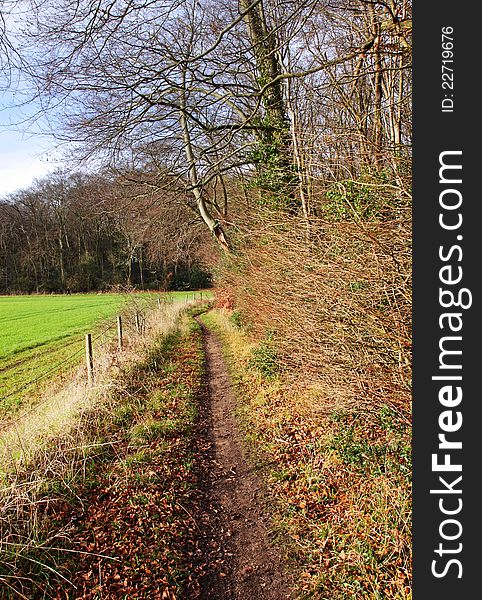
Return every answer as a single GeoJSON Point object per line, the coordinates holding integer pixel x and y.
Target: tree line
{"type": "Point", "coordinates": [282, 96]}
{"type": "Point", "coordinates": [77, 232]}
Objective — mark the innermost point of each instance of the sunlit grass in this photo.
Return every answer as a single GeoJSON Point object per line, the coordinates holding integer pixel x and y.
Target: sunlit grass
{"type": "Point", "coordinates": [337, 479]}
{"type": "Point", "coordinates": [42, 337]}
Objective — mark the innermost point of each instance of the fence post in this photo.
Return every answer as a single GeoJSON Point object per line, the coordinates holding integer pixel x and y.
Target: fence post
{"type": "Point", "coordinates": [138, 323]}
{"type": "Point", "coordinates": [119, 332]}
{"type": "Point", "coordinates": [88, 357]}
{"type": "Point", "coordinates": [158, 303]}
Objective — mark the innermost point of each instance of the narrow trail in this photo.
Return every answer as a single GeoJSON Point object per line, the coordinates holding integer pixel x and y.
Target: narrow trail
{"type": "Point", "coordinates": [242, 563]}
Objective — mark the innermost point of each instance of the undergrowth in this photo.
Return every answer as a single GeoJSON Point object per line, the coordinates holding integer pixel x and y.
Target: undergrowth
{"type": "Point", "coordinates": [112, 517]}
{"type": "Point", "coordinates": [338, 478]}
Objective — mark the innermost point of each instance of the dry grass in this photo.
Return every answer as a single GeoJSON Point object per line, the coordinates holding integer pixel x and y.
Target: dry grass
{"type": "Point", "coordinates": [50, 448]}
{"type": "Point", "coordinates": [319, 330]}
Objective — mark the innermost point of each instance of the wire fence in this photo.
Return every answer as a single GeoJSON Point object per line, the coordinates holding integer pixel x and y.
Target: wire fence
{"type": "Point", "coordinates": [133, 322]}
{"type": "Point", "coordinates": [73, 359]}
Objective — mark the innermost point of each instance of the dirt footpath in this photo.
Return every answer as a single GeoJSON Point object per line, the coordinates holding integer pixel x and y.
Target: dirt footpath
{"type": "Point", "coordinates": [242, 563]}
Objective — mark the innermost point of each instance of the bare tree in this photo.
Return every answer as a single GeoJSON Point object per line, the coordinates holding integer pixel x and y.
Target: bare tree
{"type": "Point", "coordinates": [200, 80]}
{"type": "Point", "coordinates": [5, 45]}
{"type": "Point", "coordinates": [277, 93]}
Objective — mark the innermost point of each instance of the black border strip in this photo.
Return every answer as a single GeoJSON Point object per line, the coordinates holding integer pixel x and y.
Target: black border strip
{"type": "Point", "coordinates": [447, 526]}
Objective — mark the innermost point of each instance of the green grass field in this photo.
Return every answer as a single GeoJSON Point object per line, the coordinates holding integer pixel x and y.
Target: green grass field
{"type": "Point", "coordinates": [43, 336]}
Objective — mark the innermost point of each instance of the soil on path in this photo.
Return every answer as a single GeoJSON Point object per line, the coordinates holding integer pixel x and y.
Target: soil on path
{"type": "Point", "coordinates": [242, 563]}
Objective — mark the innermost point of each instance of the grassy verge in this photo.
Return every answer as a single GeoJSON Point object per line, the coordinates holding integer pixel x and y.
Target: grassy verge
{"type": "Point", "coordinates": [338, 479]}
{"type": "Point", "coordinates": [108, 510]}
{"type": "Point", "coordinates": [42, 337]}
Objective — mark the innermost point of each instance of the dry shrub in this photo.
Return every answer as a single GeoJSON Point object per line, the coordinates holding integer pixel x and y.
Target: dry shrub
{"type": "Point", "coordinates": [223, 299]}
{"type": "Point", "coordinates": [46, 452]}
{"type": "Point", "coordinates": [335, 299]}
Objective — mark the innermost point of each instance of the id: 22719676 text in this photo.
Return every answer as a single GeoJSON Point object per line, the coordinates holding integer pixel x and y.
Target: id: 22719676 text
{"type": "Point", "coordinates": [447, 57]}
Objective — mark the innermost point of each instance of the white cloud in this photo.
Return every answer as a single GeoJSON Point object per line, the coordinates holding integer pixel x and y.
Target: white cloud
{"type": "Point", "coordinates": [21, 174]}
{"type": "Point", "coordinates": [22, 160]}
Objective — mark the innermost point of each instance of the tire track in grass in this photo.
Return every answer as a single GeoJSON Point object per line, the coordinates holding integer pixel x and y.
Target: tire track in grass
{"type": "Point", "coordinates": [30, 354]}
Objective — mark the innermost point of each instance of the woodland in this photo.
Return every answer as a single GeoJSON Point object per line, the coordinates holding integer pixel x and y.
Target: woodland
{"type": "Point", "coordinates": [181, 116]}
{"type": "Point", "coordinates": [261, 148]}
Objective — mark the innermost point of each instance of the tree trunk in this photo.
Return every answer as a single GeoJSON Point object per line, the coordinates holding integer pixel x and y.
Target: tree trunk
{"type": "Point", "coordinates": [61, 260]}
{"type": "Point", "coordinates": [196, 185]}
{"type": "Point", "coordinates": [276, 158]}
{"type": "Point", "coordinates": [141, 268]}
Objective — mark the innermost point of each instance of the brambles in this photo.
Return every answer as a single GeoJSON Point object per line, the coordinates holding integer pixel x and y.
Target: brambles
{"type": "Point", "coordinates": [265, 359]}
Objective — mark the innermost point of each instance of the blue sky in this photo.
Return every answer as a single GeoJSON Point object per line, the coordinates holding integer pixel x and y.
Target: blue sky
{"type": "Point", "coordinates": [25, 154]}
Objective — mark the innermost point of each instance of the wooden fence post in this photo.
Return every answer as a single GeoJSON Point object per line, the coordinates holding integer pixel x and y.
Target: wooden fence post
{"type": "Point", "coordinates": [158, 303]}
{"type": "Point", "coordinates": [138, 323]}
{"type": "Point", "coordinates": [119, 332]}
{"type": "Point", "coordinates": [89, 358]}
